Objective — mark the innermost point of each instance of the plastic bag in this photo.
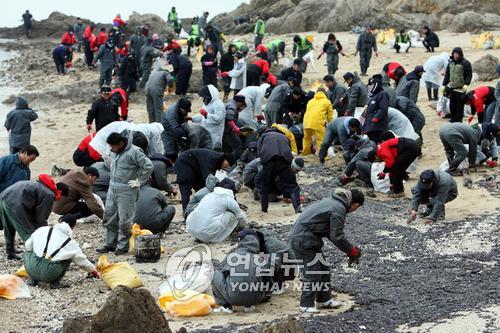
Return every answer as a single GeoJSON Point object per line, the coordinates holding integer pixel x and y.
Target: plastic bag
{"type": "Point", "coordinates": [383, 185]}
{"type": "Point", "coordinates": [21, 272]}
{"type": "Point", "coordinates": [195, 305]}
{"type": "Point", "coordinates": [12, 287]}
{"type": "Point", "coordinates": [120, 273]}
{"type": "Point", "coordinates": [136, 231]}
{"type": "Point", "coordinates": [202, 277]}
{"type": "Point", "coordinates": [443, 106]}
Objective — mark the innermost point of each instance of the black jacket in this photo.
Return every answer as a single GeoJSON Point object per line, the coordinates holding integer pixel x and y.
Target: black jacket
{"type": "Point", "coordinates": [194, 165]}
{"type": "Point", "coordinates": [273, 143]}
{"type": "Point", "coordinates": [432, 38]}
{"type": "Point", "coordinates": [226, 62]}
{"type": "Point", "coordinates": [290, 72]}
{"type": "Point", "coordinates": [128, 68]}
{"type": "Point", "coordinates": [467, 67]}
{"type": "Point", "coordinates": [378, 107]}
{"type": "Point", "coordinates": [103, 112]}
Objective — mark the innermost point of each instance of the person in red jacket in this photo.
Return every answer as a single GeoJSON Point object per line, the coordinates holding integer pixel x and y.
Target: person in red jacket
{"type": "Point", "coordinates": [479, 99]}
{"type": "Point", "coordinates": [263, 53]}
{"type": "Point", "coordinates": [102, 37]}
{"type": "Point", "coordinates": [118, 22]}
{"type": "Point", "coordinates": [68, 38]}
{"type": "Point", "coordinates": [257, 70]}
{"type": "Point", "coordinates": [88, 40]}
{"type": "Point", "coordinates": [172, 46]}
{"type": "Point", "coordinates": [85, 155]}
{"type": "Point", "coordinates": [398, 154]}
{"type": "Point", "coordinates": [119, 96]}
{"type": "Point", "coordinates": [393, 70]}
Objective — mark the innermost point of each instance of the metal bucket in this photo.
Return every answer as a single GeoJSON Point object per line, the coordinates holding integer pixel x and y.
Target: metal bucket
{"type": "Point", "coordinates": [147, 248]}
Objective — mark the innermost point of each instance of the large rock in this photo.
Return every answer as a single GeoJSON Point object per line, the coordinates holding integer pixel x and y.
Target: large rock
{"type": "Point", "coordinates": [156, 23]}
{"type": "Point", "coordinates": [486, 67]}
{"type": "Point", "coordinates": [474, 22]}
{"type": "Point", "coordinates": [125, 311]}
{"type": "Point", "coordinates": [285, 16]}
{"type": "Point", "coordinates": [53, 26]}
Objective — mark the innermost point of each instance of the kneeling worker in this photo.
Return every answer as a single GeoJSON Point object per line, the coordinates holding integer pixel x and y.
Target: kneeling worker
{"type": "Point", "coordinates": [434, 189]}
{"type": "Point", "coordinates": [50, 250]}
{"type": "Point", "coordinates": [322, 219]}
{"type": "Point", "coordinates": [152, 210]}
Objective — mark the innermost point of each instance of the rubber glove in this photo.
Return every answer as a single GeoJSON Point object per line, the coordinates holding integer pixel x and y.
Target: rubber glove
{"type": "Point", "coordinates": [134, 183]}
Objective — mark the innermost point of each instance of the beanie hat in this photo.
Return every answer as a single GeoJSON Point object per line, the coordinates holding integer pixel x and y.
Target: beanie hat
{"type": "Point", "coordinates": [185, 104]}
{"type": "Point", "coordinates": [298, 164]}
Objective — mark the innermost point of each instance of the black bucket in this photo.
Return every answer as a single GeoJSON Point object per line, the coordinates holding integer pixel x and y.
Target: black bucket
{"type": "Point", "coordinates": [147, 248]}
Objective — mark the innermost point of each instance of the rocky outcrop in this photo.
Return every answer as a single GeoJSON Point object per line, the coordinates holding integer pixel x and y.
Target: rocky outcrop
{"type": "Point", "coordinates": [125, 311]}
{"type": "Point", "coordinates": [485, 67]}
{"type": "Point", "coordinates": [287, 16]}
{"type": "Point", "coordinates": [156, 23]}
{"type": "Point", "coordinates": [287, 325]}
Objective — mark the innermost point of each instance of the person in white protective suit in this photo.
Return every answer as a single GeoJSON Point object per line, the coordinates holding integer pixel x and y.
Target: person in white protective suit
{"type": "Point", "coordinates": [254, 97]}
{"type": "Point", "coordinates": [213, 112]}
{"type": "Point", "coordinates": [433, 76]}
{"type": "Point", "coordinates": [217, 215]}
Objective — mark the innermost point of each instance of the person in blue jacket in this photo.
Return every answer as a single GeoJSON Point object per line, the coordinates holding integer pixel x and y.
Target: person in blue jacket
{"type": "Point", "coordinates": [15, 167]}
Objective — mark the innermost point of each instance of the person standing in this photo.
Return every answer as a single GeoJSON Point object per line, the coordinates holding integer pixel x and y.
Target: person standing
{"type": "Point", "coordinates": [102, 111]}
{"type": "Point", "coordinates": [259, 30]}
{"type": "Point", "coordinates": [214, 35]}
{"type": "Point", "coordinates": [376, 119]}
{"type": "Point", "coordinates": [88, 38]}
{"type": "Point", "coordinates": [183, 69]}
{"type": "Point", "coordinates": [409, 85]}
{"type": "Point", "coordinates": [332, 48]}
{"type": "Point", "coordinates": [456, 81]}
{"type": "Point", "coordinates": [78, 28]}
{"type": "Point", "coordinates": [25, 206]}
{"type": "Point", "coordinates": [27, 23]}
{"type": "Point", "coordinates": [433, 69]}
{"type": "Point", "coordinates": [238, 74]}
{"type": "Point", "coordinates": [203, 22]}
{"type": "Point", "coordinates": [148, 53]}
{"type": "Point", "coordinates": [130, 169]}
{"type": "Point", "coordinates": [173, 121]}
{"type": "Point", "coordinates": [155, 90]}
{"type": "Point", "coordinates": [209, 66]}
{"type": "Point", "coordinates": [366, 43]}
{"type": "Point", "coordinates": [301, 46]}
{"type": "Point", "coordinates": [106, 55]}
{"type": "Point", "coordinates": [318, 114]}
{"type": "Point", "coordinates": [172, 16]}
{"type": "Point", "coordinates": [213, 112]}
{"type": "Point", "coordinates": [16, 167]}
{"type": "Point", "coordinates": [226, 64]}
{"type": "Point", "coordinates": [231, 139]}
{"type": "Point", "coordinates": [322, 219]}
{"type": "Point", "coordinates": [431, 40]}
{"type": "Point", "coordinates": [434, 189]}
{"type": "Point", "coordinates": [356, 95]}
{"type": "Point", "coordinates": [18, 124]}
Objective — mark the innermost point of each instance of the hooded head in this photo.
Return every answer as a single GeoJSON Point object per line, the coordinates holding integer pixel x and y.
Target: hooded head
{"type": "Point", "coordinates": [457, 54]}
{"type": "Point", "coordinates": [21, 103]}
{"type": "Point", "coordinates": [209, 93]}
{"type": "Point", "coordinates": [375, 86]}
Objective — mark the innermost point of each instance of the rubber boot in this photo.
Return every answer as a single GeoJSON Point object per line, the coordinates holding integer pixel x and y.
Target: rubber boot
{"type": "Point", "coordinates": [435, 92]}
{"type": "Point", "coordinates": [11, 253]}
{"type": "Point", "coordinates": [296, 201]}
{"type": "Point", "coordinates": [429, 94]}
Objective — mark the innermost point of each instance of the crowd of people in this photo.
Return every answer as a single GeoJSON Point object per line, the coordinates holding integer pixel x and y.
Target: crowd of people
{"type": "Point", "coordinates": [257, 138]}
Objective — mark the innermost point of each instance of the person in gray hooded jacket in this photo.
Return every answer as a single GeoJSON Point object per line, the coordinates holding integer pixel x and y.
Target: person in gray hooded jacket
{"type": "Point", "coordinates": [335, 93]}
{"type": "Point", "coordinates": [409, 85]}
{"type": "Point", "coordinates": [322, 219]}
{"type": "Point", "coordinates": [18, 123]}
{"type": "Point", "coordinates": [243, 277]}
{"type": "Point", "coordinates": [153, 211]}
{"type": "Point", "coordinates": [434, 189]}
{"type": "Point", "coordinates": [340, 129]}
{"type": "Point", "coordinates": [454, 137]}
{"type": "Point", "coordinates": [130, 169]}
{"type": "Point", "coordinates": [159, 80]}
{"type": "Point", "coordinates": [274, 102]}
{"type": "Point", "coordinates": [106, 55]}
{"type": "Point", "coordinates": [172, 120]}
{"type": "Point", "coordinates": [356, 95]}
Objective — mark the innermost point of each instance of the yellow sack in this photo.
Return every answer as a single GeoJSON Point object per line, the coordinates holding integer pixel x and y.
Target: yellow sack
{"type": "Point", "coordinates": [496, 44]}
{"type": "Point", "coordinates": [474, 42]}
{"type": "Point", "coordinates": [190, 305]}
{"type": "Point", "coordinates": [120, 273]}
{"type": "Point", "coordinates": [21, 272]}
{"type": "Point", "coordinates": [381, 37]}
{"type": "Point", "coordinates": [12, 287]}
{"type": "Point", "coordinates": [136, 231]}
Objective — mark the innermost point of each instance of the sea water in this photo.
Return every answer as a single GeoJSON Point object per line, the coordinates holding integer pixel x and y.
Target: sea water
{"type": "Point", "coordinates": [5, 91]}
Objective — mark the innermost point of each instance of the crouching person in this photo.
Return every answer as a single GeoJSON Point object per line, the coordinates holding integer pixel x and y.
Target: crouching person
{"type": "Point", "coordinates": [153, 211]}
{"type": "Point", "coordinates": [49, 252]}
{"type": "Point", "coordinates": [245, 277]}
{"type": "Point", "coordinates": [216, 216]}
{"type": "Point", "coordinates": [322, 219]}
{"type": "Point", "coordinates": [434, 189]}
{"type": "Point", "coordinates": [361, 163]}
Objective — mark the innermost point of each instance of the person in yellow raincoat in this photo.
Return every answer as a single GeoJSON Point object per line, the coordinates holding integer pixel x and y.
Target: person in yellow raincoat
{"type": "Point", "coordinates": [319, 112]}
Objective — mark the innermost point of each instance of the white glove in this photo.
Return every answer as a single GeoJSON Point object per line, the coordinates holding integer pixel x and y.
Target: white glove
{"type": "Point", "coordinates": [134, 183]}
